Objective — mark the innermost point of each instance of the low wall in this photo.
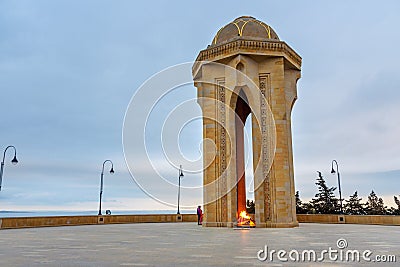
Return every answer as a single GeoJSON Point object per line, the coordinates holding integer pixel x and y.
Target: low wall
{"type": "Point", "coordinates": [349, 219]}
{"type": "Point", "coordinates": [26, 222]}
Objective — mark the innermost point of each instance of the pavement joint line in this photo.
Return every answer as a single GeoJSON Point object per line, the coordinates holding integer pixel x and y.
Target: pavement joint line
{"type": "Point", "coordinates": [245, 257]}
{"type": "Point", "coordinates": [134, 264]}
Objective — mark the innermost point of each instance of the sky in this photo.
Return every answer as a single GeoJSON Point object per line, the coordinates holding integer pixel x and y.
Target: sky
{"type": "Point", "coordinates": [69, 69]}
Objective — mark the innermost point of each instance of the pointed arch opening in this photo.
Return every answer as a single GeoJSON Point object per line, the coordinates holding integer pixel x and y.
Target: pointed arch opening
{"type": "Point", "coordinates": [244, 155]}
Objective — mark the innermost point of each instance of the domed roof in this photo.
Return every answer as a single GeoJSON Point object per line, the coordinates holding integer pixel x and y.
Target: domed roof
{"type": "Point", "coordinates": [245, 27]}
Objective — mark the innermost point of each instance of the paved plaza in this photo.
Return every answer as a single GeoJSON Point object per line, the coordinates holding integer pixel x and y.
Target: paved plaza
{"type": "Point", "coordinates": [186, 244]}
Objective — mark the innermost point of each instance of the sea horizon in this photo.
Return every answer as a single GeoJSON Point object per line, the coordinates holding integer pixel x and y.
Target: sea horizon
{"type": "Point", "coordinates": [48, 213]}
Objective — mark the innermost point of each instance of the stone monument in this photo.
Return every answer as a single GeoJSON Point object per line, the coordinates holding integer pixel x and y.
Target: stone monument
{"type": "Point", "coordinates": [247, 71]}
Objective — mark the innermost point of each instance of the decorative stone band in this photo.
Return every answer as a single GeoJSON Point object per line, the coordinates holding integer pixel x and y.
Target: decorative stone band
{"type": "Point", "coordinates": [264, 97]}
{"type": "Point", "coordinates": [253, 46]}
{"type": "Point", "coordinates": [221, 132]}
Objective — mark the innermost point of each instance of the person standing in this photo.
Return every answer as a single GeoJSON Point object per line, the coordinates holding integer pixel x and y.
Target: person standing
{"type": "Point", "coordinates": [199, 215]}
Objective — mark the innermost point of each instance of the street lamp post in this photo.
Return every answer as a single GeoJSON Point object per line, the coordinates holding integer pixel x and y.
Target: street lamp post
{"type": "Point", "coordinates": [13, 161]}
{"type": "Point", "coordinates": [101, 180]}
{"type": "Point", "coordinates": [340, 188]}
{"type": "Point", "coordinates": [179, 185]}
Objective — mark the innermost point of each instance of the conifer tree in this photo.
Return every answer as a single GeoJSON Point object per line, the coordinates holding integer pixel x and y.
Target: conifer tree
{"type": "Point", "coordinates": [397, 201]}
{"type": "Point", "coordinates": [299, 205]}
{"type": "Point", "coordinates": [395, 211]}
{"type": "Point", "coordinates": [325, 201]}
{"type": "Point", "coordinates": [354, 205]}
{"type": "Point", "coordinates": [375, 205]}
{"type": "Point", "coordinates": [250, 207]}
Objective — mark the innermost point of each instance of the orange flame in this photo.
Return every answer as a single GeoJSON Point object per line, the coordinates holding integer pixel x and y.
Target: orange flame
{"type": "Point", "coordinates": [245, 220]}
{"type": "Point", "coordinates": [244, 215]}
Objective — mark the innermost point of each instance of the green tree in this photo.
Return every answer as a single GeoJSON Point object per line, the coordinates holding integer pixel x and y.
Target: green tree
{"type": "Point", "coordinates": [375, 205]}
{"type": "Point", "coordinates": [397, 201]}
{"type": "Point", "coordinates": [308, 208]}
{"type": "Point", "coordinates": [300, 207]}
{"type": "Point", "coordinates": [250, 207]}
{"type": "Point", "coordinates": [395, 211]}
{"type": "Point", "coordinates": [354, 205]}
{"type": "Point", "coordinates": [325, 201]}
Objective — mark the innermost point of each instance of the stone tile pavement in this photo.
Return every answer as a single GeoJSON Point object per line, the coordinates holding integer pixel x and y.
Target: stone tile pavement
{"type": "Point", "coordinates": [186, 244]}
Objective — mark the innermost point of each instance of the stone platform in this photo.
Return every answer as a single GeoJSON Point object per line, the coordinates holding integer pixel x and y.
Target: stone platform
{"type": "Point", "coordinates": [185, 244]}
